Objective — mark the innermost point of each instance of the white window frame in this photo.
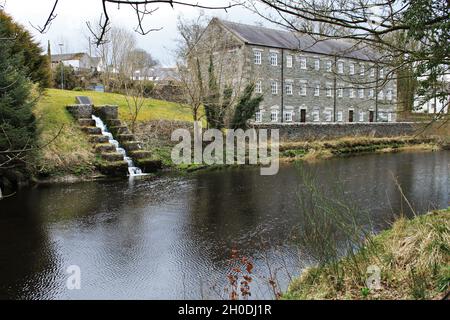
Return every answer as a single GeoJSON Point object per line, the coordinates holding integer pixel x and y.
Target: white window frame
{"type": "Point", "coordinates": [329, 90]}
{"type": "Point", "coordinates": [381, 73]}
{"type": "Point", "coordinates": [274, 59]}
{"type": "Point", "coordinates": [288, 116]}
{"type": "Point", "coordinates": [340, 67]}
{"type": "Point", "coordinates": [317, 64]}
{"type": "Point", "coordinates": [328, 66]}
{"type": "Point", "coordinates": [303, 88]}
{"type": "Point", "coordinates": [303, 62]}
{"type": "Point", "coordinates": [257, 57]}
{"type": "Point", "coordinates": [317, 90]}
{"type": "Point", "coordinates": [289, 61]}
{"type": "Point", "coordinates": [362, 70]}
{"type": "Point", "coordinates": [361, 116]}
{"type": "Point", "coordinates": [258, 116]}
{"type": "Point", "coordinates": [328, 115]}
{"type": "Point", "coordinates": [361, 93]}
{"type": "Point", "coordinates": [371, 92]}
{"type": "Point", "coordinates": [381, 95]}
{"type": "Point", "coordinates": [340, 92]}
{"type": "Point", "coordinates": [289, 88]}
{"type": "Point", "coordinates": [274, 87]}
{"type": "Point", "coordinates": [274, 116]}
{"type": "Point", "coordinates": [389, 117]}
{"type": "Point", "coordinates": [351, 93]}
{"type": "Point", "coordinates": [340, 116]}
{"type": "Point", "coordinates": [315, 115]}
{"type": "Point", "coordinates": [372, 71]}
{"type": "Point", "coordinates": [389, 94]}
{"type": "Point", "coordinates": [351, 68]}
{"type": "Point", "coordinates": [258, 86]}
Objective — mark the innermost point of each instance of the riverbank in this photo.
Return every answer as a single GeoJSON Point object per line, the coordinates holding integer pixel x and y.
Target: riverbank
{"type": "Point", "coordinates": [413, 257]}
{"type": "Point", "coordinates": [351, 146]}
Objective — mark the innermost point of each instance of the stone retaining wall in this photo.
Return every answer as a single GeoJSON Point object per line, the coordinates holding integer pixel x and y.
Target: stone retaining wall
{"type": "Point", "coordinates": [80, 111]}
{"type": "Point", "coordinates": [320, 131]}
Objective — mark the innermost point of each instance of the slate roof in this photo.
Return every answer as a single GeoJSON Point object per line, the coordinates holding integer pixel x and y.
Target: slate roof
{"type": "Point", "coordinates": [262, 36]}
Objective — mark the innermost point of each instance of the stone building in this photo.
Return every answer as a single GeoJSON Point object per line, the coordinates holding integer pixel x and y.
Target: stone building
{"type": "Point", "coordinates": [301, 79]}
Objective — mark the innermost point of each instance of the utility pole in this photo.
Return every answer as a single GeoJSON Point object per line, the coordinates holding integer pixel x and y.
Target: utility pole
{"type": "Point", "coordinates": [62, 67]}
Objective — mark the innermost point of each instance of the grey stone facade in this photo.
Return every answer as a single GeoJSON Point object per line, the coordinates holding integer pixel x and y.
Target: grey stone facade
{"type": "Point", "coordinates": [303, 85]}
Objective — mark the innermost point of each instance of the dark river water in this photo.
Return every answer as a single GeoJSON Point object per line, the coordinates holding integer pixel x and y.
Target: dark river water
{"type": "Point", "coordinates": [172, 237]}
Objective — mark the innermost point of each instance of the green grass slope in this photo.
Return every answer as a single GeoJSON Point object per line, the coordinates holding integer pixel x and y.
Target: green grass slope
{"type": "Point", "coordinates": [71, 153]}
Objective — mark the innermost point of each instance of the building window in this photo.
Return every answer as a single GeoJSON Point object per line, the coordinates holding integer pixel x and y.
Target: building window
{"type": "Point", "coordinates": [381, 73]}
{"type": "Point", "coordinates": [288, 88]}
{"type": "Point", "coordinates": [389, 117]}
{"type": "Point", "coordinates": [258, 117]}
{"type": "Point", "coordinates": [361, 93]}
{"type": "Point", "coordinates": [317, 64]}
{"type": "Point", "coordinates": [303, 88]}
{"type": "Point", "coordinates": [328, 66]}
{"type": "Point", "coordinates": [273, 59]}
{"type": "Point", "coordinates": [288, 116]}
{"type": "Point", "coordinates": [328, 115]}
{"type": "Point", "coordinates": [340, 92]}
{"type": "Point", "coordinates": [329, 90]}
{"type": "Point", "coordinates": [257, 57]}
{"type": "Point", "coordinates": [303, 62]}
{"type": "Point", "coordinates": [258, 86]}
{"type": "Point", "coordinates": [317, 90]}
{"type": "Point", "coordinates": [351, 92]}
{"type": "Point", "coordinates": [352, 68]}
{"type": "Point", "coordinates": [289, 61]}
{"type": "Point", "coordinates": [340, 67]}
{"type": "Point", "coordinates": [274, 87]}
{"type": "Point", "coordinates": [361, 116]}
{"type": "Point", "coordinates": [315, 116]}
{"type": "Point", "coordinates": [274, 116]}
{"type": "Point", "coordinates": [372, 71]}
{"type": "Point", "coordinates": [361, 70]}
{"type": "Point", "coordinates": [381, 95]}
{"type": "Point", "coordinates": [389, 94]}
{"type": "Point", "coordinates": [371, 93]}
{"type": "Point", "coordinates": [339, 116]}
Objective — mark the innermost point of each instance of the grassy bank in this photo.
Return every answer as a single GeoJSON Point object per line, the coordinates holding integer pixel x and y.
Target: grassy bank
{"type": "Point", "coordinates": [352, 146]}
{"type": "Point", "coordinates": [71, 153]}
{"type": "Point", "coordinates": [413, 257]}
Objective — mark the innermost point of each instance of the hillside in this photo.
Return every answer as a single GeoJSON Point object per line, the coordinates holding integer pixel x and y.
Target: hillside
{"type": "Point", "coordinates": [71, 153]}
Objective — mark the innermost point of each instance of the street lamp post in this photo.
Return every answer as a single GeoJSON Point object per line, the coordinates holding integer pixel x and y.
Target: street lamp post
{"type": "Point", "coordinates": [62, 67]}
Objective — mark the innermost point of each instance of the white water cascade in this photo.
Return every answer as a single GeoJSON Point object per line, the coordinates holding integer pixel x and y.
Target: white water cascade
{"type": "Point", "coordinates": [132, 169]}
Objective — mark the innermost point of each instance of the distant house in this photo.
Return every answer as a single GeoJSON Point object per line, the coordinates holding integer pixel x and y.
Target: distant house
{"type": "Point", "coordinates": [79, 61]}
{"type": "Point", "coordinates": [158, 74]}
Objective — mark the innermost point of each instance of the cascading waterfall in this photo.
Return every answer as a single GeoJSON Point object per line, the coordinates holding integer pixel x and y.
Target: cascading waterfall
{"type": "Point", "coordinates": [132, 169]}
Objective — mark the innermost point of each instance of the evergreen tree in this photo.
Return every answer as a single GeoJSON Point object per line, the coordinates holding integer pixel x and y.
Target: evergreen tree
{"type": "Point", "coordinates": [246, 107]}
{"type": "Point", "coordinates": [35, 63]}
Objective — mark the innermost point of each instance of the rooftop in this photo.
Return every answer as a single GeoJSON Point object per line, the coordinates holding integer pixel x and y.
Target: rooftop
{"type": "Point", "coordinates": [262, 36]}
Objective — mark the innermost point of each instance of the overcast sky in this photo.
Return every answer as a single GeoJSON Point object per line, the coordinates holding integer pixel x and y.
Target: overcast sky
{"type": "Point", "coordinates": [70, 28]}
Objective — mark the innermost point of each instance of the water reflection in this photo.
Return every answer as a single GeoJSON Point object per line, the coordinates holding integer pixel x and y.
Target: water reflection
{"type": "Point", "coordinates": [172, 237]}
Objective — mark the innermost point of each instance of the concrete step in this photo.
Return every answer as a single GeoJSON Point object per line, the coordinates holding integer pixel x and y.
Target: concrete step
{"type": "Point", "coordinates": [148, 165]}
{"type": "Point", "coordinates": [112, 156]}
{"type": "Point", "coordinates": [98, 138]}
{"type": "Point", "coordinates": [119, 130]}
{"type": "Point", "coordinates": [86, 122]}
{"type": "Point", "coordinates": [125, 137]}
{"type": "Point", "coordinates": [114, 123]}
{"type": "Point", "coordinates": [104, 148]}
{"type": "Point", "coordinates": [117, 168]}
{"type": "Point", "coordinates": [131, 145]}
{"type": "Point", "coordinates": [140, 154]}
{"type": "Point", "coordinates": [91, 130]}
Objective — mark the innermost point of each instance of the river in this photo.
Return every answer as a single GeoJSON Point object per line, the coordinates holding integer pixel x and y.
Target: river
{"type": "Point", "coordinates": [171, 237]}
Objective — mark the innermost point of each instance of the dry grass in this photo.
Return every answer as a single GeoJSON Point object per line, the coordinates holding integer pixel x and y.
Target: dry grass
{"type": "Point", "coordinates": [414, 258]}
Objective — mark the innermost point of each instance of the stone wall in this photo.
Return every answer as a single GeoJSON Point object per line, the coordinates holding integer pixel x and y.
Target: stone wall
{"type": "Point", "coordinates": [107, 112]}
{"type": "Point", "coordinates": [80, 111]}
{"type": "Point", "coordinates": [319, 131]}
